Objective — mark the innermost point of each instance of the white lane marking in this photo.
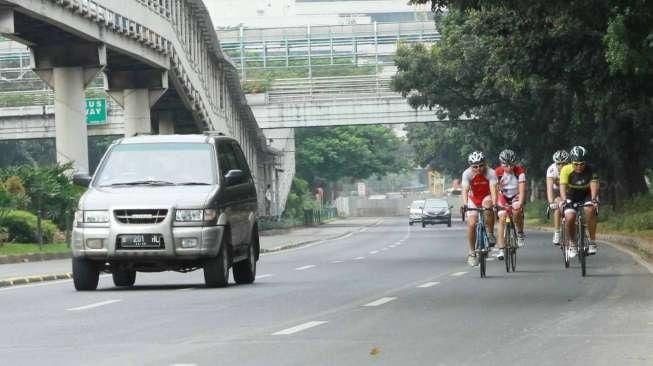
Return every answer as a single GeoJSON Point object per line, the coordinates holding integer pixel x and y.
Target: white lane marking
{"type": "Point", "coordinates": [397, 243]}
{"type": "Point", "coordinates": [384, 249]}
{"type": "Point", "coordinates": [428, 284]}
{"type": "Point", "coordinates": [359, 258]}
{"type": "Point", "coordinates": [381, 301]}
{"type": "Point", "coordinates": [392, 246]}
{"type": "Point", "coordinates": [334, 262]}
{"type": "Point", "coordinates": [374, 252]}
{"type": "Point", "coordinates": [304, 267]}
{"type": "Point", "coordinates": [343, 237]}
{"type": "Point", "coordinates": [91, 306]}
{"type": "Point", "coordinates": [264, 276]}
{"type": "Point", "coordinates": [299, 328]}
{"type": "Point", "coordinates": [364, 229]}
{"type": "Point", "coordinates": [458, 274]}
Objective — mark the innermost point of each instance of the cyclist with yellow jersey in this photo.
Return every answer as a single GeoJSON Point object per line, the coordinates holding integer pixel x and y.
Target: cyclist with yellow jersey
{"type": "Point", "coordinates": [579, 184]}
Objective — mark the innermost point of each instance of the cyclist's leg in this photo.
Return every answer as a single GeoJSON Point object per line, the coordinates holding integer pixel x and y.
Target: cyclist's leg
{"type": "Point", "coordinates": [518, 214]}
{"type": "Point", "coordinates": [570, 223]}
{"type": "Point", "coordinates": [472, 218]}
{"type": "Point", "coordinates": [590, 217]}
{"type": "Point", "coordinates": [557, 218]}
{"type": "Point", "coordinates": [489, 219]}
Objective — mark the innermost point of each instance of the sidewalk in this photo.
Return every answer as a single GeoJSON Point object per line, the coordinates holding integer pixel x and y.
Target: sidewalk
{"type": "Point", "coordinates": [272, 241]}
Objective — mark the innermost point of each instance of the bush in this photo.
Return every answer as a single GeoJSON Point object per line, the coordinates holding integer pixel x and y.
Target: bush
{"type": "Point", "coordinates": [21, 226]}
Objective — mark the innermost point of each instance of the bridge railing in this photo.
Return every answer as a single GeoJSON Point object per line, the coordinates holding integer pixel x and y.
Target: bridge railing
{"type": "Point", "coordinates": [329, 88]}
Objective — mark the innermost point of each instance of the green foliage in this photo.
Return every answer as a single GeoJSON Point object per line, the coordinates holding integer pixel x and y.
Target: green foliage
{"type": "Point", "coordinates": [537, 76]}
{"type": "Point", "coordinates": [332, 153]}
{"type": "Point", "coordinates": [22, 227]}
{"type": "Point", "coordinates": [299, 199]}
{"type": "Point", "coordinates": [21, 248]}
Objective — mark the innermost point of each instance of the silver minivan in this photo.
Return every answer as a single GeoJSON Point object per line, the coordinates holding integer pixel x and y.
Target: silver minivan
{"type": "Point", "coordinates": [173, 202]}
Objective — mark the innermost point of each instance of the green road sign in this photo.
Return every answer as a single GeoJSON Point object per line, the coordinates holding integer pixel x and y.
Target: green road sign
{"type": "Point", "coordinates": [96, 111]}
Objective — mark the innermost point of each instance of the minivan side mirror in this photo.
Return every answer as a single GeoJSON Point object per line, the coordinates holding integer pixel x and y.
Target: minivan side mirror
{"type": "Point", "coordinates": [234, 176]}
{"type": "Point", "coordinates": [82, 179]}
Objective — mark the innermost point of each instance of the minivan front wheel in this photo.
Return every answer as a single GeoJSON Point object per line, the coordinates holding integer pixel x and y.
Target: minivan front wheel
{"type": "Point", "coordinates": [85, 274]}
{"type": "Point", "coordinates": [245, 271]}
{"type": "Point", "coordinates": [216, 270]}
{"type": "Point", "coordinates": [124, 277]}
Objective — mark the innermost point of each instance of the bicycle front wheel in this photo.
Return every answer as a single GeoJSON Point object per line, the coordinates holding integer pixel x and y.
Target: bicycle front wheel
{"type": "Point", "coordinates": [513, 258]}
{"type": "Point", "coordinates": [481, 263]}
{"type": "Point", "coordinates": [582, 250]}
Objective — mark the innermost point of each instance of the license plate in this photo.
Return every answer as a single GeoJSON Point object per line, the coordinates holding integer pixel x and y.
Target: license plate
{"type": "Point", "coordinates": [140, 241]}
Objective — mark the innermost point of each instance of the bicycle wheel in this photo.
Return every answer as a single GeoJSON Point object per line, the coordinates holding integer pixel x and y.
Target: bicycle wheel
{"type": "Point", "coordinates": [481, 262]}
{"type": "Point", "coordinates": [513, 259]}
{"type": "Point", "coordinates": [508, 241]}
{"type": "Point", "coordinates": [582, 250]}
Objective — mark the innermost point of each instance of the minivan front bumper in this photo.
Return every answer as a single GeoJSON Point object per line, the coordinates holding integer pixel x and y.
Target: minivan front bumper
{"type": "Point", "coordinates": [99, 243]}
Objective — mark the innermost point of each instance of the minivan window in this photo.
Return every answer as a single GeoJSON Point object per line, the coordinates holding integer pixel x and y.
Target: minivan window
{"type": "Point", "coordinates": [240, 157]}
{"type": "Point", "coordinates": [157, 164]}
{"type": "Point", "coordinates": [227, 158]}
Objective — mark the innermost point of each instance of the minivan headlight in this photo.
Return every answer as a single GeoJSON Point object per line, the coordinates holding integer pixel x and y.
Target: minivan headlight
{"type": "Point", "coordinates": [195, 215]}
{"type": "Point", "coordinates": [92, 217]}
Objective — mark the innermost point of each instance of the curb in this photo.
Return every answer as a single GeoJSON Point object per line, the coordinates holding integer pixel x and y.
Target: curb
{"type": "Point", "coordinates": [33, 257]}
{"type": "Point", "coordinates": [33, 279]}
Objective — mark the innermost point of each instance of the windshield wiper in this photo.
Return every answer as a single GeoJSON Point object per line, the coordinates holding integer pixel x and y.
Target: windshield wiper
{"type": "Point", "coordinates": [193, 184]}
{"type": "Point", "coordinates": [144, 182]}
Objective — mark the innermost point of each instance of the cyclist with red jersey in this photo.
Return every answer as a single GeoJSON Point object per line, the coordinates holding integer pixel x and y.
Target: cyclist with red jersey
{"type": "Point", "coordinates": [479, 190]}
{"type": "Point", "coordinates": [512, 192]}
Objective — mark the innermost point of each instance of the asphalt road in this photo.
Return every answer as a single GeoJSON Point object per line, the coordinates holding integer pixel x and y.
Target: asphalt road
{"type": "Point", "coordinates": [387, 295]}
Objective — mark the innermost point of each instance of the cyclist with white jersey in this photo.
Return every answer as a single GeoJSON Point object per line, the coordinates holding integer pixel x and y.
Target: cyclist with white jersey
{"type": "Point", "coordinates": [560, 159]}
{"type": "Point", "coordinates": [511, 179]}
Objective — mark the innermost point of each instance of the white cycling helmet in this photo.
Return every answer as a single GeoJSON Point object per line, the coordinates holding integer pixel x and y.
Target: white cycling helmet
{"type": "Point", "coordinates": [476, 157]}
{"type": "Point", "coordinates": [561, 156]}
{"type": "Point", "coordinates": [578, 153]}
{"type": "Point", "coordinates": [508, 156]}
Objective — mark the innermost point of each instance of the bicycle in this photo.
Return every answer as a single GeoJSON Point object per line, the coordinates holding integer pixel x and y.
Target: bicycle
{"type": "Point", "coordinates": [510, 239]}
{"type": "Point", "coordinates": [582, 238]}
{"type": "Point", "coordinates": [482, 246]}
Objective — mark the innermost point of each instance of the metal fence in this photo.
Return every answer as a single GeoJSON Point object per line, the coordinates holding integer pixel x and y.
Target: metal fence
{"type": "Point", "coordinates": [318, 216]}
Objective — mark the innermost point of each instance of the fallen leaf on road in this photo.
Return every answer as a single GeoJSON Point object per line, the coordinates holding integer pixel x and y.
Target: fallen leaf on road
{"type": "Point", "coordinates": [375, 351]}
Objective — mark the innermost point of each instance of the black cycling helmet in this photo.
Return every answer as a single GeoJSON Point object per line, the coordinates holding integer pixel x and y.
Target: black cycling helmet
{"type": "Point", "coordinates": [561, 156]}
{"type": "Point", "coordinates": [476, 157]}
{"type": "Point", "coordinates": [578, 154]}
{"type": "Point", "coordinates": [508, 156]}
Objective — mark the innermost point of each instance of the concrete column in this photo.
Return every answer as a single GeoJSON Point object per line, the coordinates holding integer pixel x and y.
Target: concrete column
{"type": "Point", "coordinates": [70, 117]}
{"type": "Point", "coordinates": [137, 112]}
{"type": "Point", "coordinates": [166, 123]}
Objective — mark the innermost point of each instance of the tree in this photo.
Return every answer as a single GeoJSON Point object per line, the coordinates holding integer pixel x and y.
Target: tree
{"type": "Point", "coordinates": [540, 75]}
{"type": "Point", "coordinates": [331, 153]}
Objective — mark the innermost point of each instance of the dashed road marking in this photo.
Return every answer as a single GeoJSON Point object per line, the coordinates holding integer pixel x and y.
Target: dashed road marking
{"type": "Point", "coordinates": [364, 229]}
{"type": "Point", "coordinates": [91, 306]}
{"type": "Point", "coordinates": [334, 262]}
{"type": "Point", "coordinates": [381, 301]}
{"type": "Point", "coordinates": [428, 284]}
{"type": "Point", "coordinates": [299, 328]}
{"type": "Point", "coordinates": [359, 258]}
{"type": "Point", "coordinates": [264, 276]}
{"type": "Point", "coordinates": [374, 252]}
{"type": "Point", "coordinates": [384, 249]}
{"type": "Point", "coordinates": [457, 274]}
{"type": "Point", "coordinates": [304, 267]}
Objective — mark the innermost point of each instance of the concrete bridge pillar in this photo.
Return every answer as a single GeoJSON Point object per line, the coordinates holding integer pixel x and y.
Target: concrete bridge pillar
{"type": "Point", "coordinates": [166, 123]}
{"type": "Point", "coordinates": [137, 91]}
{"type": "Point", "coordinates": [68, 69]}
{"type": "Point", "coordinates": [70, 117]}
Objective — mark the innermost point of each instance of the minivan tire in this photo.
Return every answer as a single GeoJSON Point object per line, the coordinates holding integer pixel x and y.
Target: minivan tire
{"type": "Point", "coordinates": [85, 274]}
{"type": "Point", "coordinates": [245, 271]}
{"type": "Point", "coordinates": [124, 277]}
{"type": "Point", "coordinates": [216, 270]}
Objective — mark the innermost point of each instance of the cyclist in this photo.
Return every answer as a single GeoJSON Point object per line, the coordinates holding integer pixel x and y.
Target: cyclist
{"type": "Point", "coordinates": [560, 159]}
{"type": "Point", "coordinates": [479, 190]}
{"type": "Point", "coordinates": [512, 192]}
{"type": "Point", "coordinates": [579, 184]}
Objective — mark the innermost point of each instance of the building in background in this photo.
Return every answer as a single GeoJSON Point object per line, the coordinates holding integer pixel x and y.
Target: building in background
{"type": "Point", "coordinates": [288, 13]}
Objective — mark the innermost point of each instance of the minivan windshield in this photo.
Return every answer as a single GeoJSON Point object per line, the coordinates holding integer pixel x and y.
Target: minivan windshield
{"type": "Point", "coordinates": [157, 164]}
{"type": "Point", "coordinates": [417, 204]}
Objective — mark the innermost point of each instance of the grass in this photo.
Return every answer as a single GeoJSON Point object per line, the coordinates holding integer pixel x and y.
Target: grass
{"type": "Point", "coordinates": [19, 248]}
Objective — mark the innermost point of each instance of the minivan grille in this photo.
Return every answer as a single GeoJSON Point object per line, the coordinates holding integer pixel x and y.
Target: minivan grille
{"type": "Point", "coordinates": [140, 216]}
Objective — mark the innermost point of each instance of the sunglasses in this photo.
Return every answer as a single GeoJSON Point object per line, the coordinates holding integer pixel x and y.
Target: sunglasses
{"type": "Point", "coordinates": [476, 166]}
